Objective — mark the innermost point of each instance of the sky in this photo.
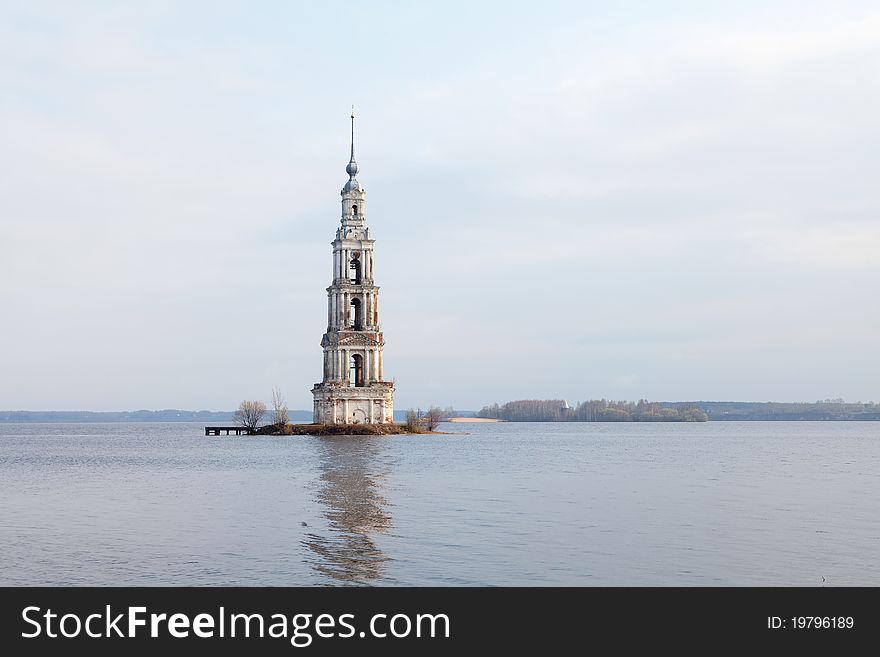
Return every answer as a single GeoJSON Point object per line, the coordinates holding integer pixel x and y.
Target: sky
{"type": "Point", "coordinates": [569, 199]}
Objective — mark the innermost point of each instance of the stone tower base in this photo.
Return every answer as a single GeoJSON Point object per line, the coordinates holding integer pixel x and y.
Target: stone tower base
{"type": "Point", "coordinates": [338, 404]}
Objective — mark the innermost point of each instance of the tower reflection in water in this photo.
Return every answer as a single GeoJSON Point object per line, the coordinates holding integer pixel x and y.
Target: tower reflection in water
{"type": "Point", "coordinates": [353, 472]}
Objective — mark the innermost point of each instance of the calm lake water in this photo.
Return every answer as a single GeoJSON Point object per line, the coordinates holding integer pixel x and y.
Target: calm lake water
{"type": "Point", "coordinates": [770, 503]}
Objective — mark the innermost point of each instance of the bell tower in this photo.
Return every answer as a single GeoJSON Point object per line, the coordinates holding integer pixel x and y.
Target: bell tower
{"type": "Point", "coordinates": [352, 390]}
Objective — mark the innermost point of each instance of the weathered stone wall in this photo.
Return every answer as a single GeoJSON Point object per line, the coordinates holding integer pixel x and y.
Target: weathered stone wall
{"type": "Point", "coordinates": [350, 405]}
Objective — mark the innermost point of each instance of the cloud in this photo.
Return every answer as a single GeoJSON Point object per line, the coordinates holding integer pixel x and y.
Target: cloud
{"type": "Point", "coordinates": [848, 246]}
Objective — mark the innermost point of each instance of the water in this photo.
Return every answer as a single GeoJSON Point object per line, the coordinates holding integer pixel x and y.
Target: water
{"type": "Point", "coordinates": [505, 504]}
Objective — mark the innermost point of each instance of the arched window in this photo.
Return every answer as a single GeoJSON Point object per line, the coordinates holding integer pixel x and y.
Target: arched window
{"type": "Point", "coordinates": [355, 315]}
{"type": "Point", "coordinates": [354, 210]}
{"type": "Point", "coordinates": [355, 267]}
{"type": "Point", "coordinates": [356, 371]}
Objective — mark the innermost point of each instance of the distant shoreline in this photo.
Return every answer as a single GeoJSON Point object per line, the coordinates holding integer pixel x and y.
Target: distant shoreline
{"type": "Point", "coordinates": [716, 411]}
{"type": "Point", "coordinates": [606, 410]}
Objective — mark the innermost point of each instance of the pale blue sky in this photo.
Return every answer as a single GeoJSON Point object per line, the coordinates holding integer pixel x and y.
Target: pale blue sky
{"type": "Point", "coordinates": [569, 199]}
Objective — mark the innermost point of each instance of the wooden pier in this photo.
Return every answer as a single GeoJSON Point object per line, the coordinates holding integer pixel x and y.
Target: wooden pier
{"type": "Point", "coordinates": [215, 431]}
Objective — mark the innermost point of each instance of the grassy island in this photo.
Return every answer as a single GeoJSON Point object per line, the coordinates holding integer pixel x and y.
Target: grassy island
{"type": "Point", "coordinates": [340, 430]}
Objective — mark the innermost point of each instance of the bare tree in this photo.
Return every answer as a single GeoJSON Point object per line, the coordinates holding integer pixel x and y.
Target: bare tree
{"type": "Point", "coordinates": [433, 417]}
{"type": "Point", "coordinates": [412, 420]}
{"type": "Point", "coordinates": [249, 414]}
{"type": "Point", "coordinates": [280, 415]}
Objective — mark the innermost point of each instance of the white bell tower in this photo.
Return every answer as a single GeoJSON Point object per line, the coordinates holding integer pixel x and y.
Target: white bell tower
{"type": "Point", "coordinates": [352, 390]}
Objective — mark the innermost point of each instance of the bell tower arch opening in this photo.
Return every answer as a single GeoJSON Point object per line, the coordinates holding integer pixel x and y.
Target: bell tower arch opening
{"type": "Point", "coordinates": [356, 315]}
{"type": "Point", "coordinates": [355, 269]}
{"type": "Point", "coordinates": [356, 371]}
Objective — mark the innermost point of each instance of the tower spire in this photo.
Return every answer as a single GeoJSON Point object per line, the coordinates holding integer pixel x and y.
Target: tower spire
{"type": "Point", "coordinates": [352, 168]}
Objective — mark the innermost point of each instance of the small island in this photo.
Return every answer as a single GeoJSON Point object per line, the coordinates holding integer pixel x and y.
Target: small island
{"type": "Point", "coordinates": [388, 429]}
{"type": "Point", "coordinates": [250, 413]}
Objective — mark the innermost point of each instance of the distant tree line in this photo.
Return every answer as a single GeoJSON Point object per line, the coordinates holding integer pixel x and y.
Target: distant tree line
{"type": "Point", "coordinates": [594, 410]}
{"type": "Point", "coordinates": [827, 409]}
{"type": "Point", "coordinates": [604, 410]}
